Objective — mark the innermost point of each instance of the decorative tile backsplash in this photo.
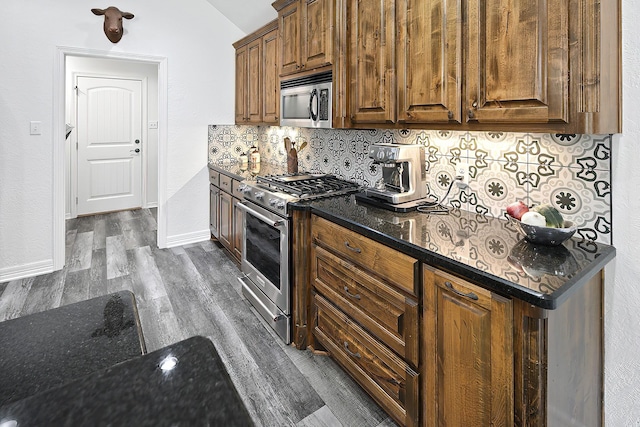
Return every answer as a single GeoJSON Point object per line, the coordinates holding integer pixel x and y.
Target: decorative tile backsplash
{"type": "Point", "coordinates": [571, 172]}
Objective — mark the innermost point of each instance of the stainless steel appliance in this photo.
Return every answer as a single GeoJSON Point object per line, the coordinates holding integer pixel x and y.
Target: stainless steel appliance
{"type": "Point", "coordinates": [403, 173]}
{"type": "Point", "coordinates": [306, 101]}
{"type": "Point", "coordinates": [266, 239]}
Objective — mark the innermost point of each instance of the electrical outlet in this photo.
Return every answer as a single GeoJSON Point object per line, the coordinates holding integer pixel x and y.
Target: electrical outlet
{"type": "Point", "coordinates": [462, 170]}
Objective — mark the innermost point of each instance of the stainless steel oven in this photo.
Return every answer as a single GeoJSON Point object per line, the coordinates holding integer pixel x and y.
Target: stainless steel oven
{"type": "Point", "coordinates": [266, 240]}
{"type": "Point", "coordinates": [265, 264]}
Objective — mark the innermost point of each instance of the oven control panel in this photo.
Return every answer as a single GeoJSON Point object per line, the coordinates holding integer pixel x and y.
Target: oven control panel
{"type": "Point", "coordinates": [269, 199]}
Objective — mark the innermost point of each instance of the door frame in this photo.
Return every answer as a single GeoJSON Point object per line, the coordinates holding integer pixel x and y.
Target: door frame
{"type": "Point", "coordinates": [59, 141]}
{"type": "Point", "coordinates": [144, 130]}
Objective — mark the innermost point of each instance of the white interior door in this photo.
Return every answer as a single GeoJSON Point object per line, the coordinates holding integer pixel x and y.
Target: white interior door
{"type": "Point", "coordinates": [109, 126]}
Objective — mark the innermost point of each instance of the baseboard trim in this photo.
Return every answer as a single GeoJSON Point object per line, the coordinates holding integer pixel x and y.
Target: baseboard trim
{"type": "Point", "coordinates": [188, 238]}
{"type": "Point", "coordinates": [26, 270]}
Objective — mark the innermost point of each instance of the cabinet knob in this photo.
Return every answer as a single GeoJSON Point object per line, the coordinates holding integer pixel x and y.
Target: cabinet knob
{"type": "Point", "coordinates": [471, 114]}
{"type": "Point", "coordinates": [450, 114]}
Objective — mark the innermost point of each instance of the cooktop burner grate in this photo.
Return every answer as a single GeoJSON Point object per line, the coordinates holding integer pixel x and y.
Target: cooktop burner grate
{"type": "Point", "coordinates": [307, 185]}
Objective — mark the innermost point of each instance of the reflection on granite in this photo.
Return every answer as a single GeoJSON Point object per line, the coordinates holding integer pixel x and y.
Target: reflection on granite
{"type": "Point", "coordinates": [196, 392]}
{"type": "Point", "coordinates": [47, 349]}
{"type": "Point", "coordinates": [248, 171]}
{"type": "Point", "coordinates": [114, 319]}
{"type": "Point", "coordinates": [478, 248]}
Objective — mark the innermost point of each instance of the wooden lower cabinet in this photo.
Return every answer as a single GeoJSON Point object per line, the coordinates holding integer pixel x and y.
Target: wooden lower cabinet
{"type": "Point", "coordinates": [468, 354]}
{"type": "Point", "coordinates": [366, 315]}
{"type": "Point", "coordinates": [387, 378]}
{"type": "Point", "coordinates": [226, 220]}
{"type": "Point", "coordinates": [434, 349]}
{"type": "Point", "coordinates": [229, 217]}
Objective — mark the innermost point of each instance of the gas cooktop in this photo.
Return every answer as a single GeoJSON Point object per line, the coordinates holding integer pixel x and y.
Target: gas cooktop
{"type": "Point", "coordinates": [274, 192]}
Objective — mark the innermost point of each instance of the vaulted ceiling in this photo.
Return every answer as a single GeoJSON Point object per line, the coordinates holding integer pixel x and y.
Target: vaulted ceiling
{"type": "Point", "coordinates": [248, 15]}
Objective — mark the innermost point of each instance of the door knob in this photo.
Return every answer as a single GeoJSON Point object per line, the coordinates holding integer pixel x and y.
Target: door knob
{"type": "Point", "coordinates": [137, 150]}
{"type": "Point", "coordinates": [137, 141]}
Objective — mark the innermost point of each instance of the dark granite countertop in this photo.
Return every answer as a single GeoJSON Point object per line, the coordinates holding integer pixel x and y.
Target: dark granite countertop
{"type": "Point", "coordinates": [249, 171]}
{"type": "Point", "coordinates": [197, 392]}
{"type": "Point", "coordinates": [46, 349]}
{"type": "Point", "coordinates": [484, 250]}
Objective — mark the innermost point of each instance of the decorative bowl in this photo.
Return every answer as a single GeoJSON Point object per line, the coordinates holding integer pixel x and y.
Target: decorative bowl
{"type": "Point", "coordinates": [545, 235]}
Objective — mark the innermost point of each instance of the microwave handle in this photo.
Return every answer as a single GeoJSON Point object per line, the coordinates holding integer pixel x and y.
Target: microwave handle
{"type": "Point", "coordinates": [314, 116]}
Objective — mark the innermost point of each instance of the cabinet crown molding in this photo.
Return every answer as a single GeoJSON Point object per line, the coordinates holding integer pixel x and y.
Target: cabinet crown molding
{"type": "Point", "coordinates": [273, 25]}
{"type": "Point", "coordinates": [281, 4]}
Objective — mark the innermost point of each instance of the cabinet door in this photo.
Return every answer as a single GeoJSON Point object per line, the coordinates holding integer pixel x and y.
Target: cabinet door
{"type": "Point", "coordinates": [317, 30]}
{"type": "Point", "coordinates": [429, 61]}
{"type": "Point", "coordinates": [242, 81]}
{"type": "Point", "coordinates": [237, 229]}
{"type": "Point", "coordinates": [254, 71]}
{"type": "Point", "coordinates": [289, 23]}
{"type": "Point", "coordinates": [371, 63]}
{"type": "Point", "coordinates": [517, 61]}
{"type": "Point", "coordinates": [270, 80]}
{"type": "Point", "coordinates": [468, 348]}
{"type": "Point", "coordinates": [214, 196]}
{"type": "Point", "coordinates": [226, 222]}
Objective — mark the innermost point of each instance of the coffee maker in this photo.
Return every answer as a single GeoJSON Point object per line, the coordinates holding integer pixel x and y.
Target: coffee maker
{"type": "Point", "coordinates": [403, 173]}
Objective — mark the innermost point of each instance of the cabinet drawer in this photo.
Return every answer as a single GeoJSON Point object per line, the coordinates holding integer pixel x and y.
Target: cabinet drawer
{"type": "Point", "coordinates": [397, 268]}
{"type": "Point", "coordinates": [214, 177]}
{"type": "Point", "coordinates": [388, 379]}
{"type": "Point", "coordinates": [391, 316]}
{"type": "Point", "coordinates": [236, 189]}
{"type": "Point", "coordinates": [225, 183]}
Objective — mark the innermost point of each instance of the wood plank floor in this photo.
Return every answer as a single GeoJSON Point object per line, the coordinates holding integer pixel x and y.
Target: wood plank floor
{"type": "Point", "coordinates": [193, 290]}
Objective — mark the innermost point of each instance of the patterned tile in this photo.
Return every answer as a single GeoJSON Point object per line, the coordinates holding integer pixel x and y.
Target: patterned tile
{"type": "Point", "coordinates": [572, 172]}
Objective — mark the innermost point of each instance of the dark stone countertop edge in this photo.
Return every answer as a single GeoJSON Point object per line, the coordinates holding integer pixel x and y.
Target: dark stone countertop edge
{"type": "Point", "coordinates": [226, 172]}
{"type": "Point", "coordinates": [479, 277]}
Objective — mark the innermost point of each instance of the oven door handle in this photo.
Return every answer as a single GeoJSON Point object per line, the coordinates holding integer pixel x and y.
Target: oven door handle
{"type": "Point", "coordinates": [247, 209]}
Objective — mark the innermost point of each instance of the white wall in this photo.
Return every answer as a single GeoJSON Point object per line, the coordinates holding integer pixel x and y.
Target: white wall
{"type": "Point", "coordinates": [622, 300]}
{"type": "Point", "coordinates": [196, 39]}
{"type": "Point", "coordinates": [197, 42]}
{"type": "Point", "coordinates": [100, 67]}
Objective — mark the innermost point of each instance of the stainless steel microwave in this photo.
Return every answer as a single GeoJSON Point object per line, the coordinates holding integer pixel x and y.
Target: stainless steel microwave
{"type": "Point", "coordinates": [306, 101]}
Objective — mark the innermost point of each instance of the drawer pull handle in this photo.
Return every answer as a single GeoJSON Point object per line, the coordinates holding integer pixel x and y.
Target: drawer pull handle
{"type": "Point", "coordinates": [470, 295]}
{"type": "Point", "coordinates": [351, 248]}
{"type": "Point", "coordinates": [350, 353]}
{"type": "Point", "coordinates": [354, 296]}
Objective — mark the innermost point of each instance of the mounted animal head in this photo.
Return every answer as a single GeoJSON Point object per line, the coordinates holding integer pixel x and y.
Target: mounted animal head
{"type": "Point", "coordinates": [112, 22]}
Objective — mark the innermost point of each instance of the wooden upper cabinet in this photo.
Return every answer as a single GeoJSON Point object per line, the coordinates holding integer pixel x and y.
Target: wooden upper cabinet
{"type": "Point", "coordinates": [317, 33]}
{"type": "Point", "coordinates": [306, 34]}
{"type": "Point", "coordinates": [468, 354]}
{"type": "Point", "coordinates": [371, 61]}
{"type": "Point", "coordinates": [289, 26]}
{"type": "Point", "coordinates": [257, 84]}
{"type": "Point", "coordinates": [270, 80]}
{"type": "Point", "coordinates": [480, 64]}
{"type": "Point", "coordinates": [254, 71]}
{"type": "Point", "coordinates": [429, 63]}
{"type": "Point", "coordinates": [517, 61]}
{"type": "Point", "coordinates": [242, 81]}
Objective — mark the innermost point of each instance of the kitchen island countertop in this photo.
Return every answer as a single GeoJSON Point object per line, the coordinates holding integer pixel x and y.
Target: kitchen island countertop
{"type": "Point", "coordinates": [46, 349]}
{"type": "Point", "coordinates": [196, 392]}
{"type": "Point", "coordinates": [484, 250]}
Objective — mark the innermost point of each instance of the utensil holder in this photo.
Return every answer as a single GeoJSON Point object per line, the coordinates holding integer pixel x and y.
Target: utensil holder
{"type": "Point", "coordinates": [292, 161]}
